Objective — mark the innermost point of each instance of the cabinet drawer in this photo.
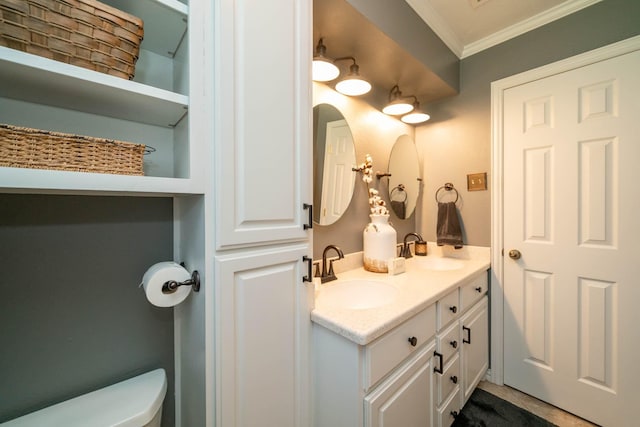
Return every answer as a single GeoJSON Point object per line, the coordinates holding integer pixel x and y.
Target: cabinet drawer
{"type": "Point", "coordinates": [448, 308]}
{"type": "Point", "coordinates": [473, 291]}
{"type": "Point", "coordinates": [384, 354]}
{"type": "Point", "coordinates": [448, 413]}
{"type": "Point", "coordinates": [449, 380]}
{"type": "Point", "coordinates": [448, 341]}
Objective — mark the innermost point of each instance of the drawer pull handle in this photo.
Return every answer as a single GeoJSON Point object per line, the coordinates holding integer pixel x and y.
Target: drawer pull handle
{"type": "Point", "coordinates": [454, 309]}
{"type": "Point", "coordinates": [454, 379]}
{"type": "Point", "coordinates": [479, 289]}
{"type": "Point", "coordinates": [309, 261]}
{"type": "Point", "coordinates": [438, 368]}
{"type": "Point", "coordinates": [454, 414]}
{"type": "Point", "coordinates": [308, 225]}
{"type": "Point", "coordinates": [413, 341]}
{"type": "Point", "coordinates": [468, 339]}
{"type": "Point", "coordinates": [454, 344]}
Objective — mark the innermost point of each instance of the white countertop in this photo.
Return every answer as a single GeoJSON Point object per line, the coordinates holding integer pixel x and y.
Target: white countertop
{"type": "Point", "coordinates": [417, 289]}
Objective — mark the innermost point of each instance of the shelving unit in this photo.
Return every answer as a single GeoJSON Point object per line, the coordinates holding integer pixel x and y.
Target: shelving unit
{"type": "Point", "coordinates": [152, 109]}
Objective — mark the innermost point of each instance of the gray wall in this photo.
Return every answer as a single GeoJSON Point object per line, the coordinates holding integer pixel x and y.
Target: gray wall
{"type": "Point", "coordinates": [457, 139]}
{"type": "Point", "coordinates": [72, 318]}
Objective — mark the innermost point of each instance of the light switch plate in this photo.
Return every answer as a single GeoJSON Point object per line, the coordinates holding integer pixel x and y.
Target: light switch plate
{"type": "Point", "coordinates": [477, 181]}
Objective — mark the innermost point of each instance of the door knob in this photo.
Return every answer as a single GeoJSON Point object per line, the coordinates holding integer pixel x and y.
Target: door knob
{"type": "Point", "coordinates": [514, 254]}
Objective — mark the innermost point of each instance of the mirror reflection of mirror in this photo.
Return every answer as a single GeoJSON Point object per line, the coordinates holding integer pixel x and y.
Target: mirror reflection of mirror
{"type": "Point", "coordinates": [334, 156]}
{"type": "Point", "coordinates": [404, 179]}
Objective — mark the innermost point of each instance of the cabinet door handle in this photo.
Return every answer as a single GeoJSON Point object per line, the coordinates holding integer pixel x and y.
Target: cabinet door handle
{"type": "Point", "coordinates": [438, 368]}
{"type": "Point", "coordinates": [468, 339]}
{"type": "Point", "coordinates": [454, 379]}
{"type": "Point", "coordinates": [454, 309]}
{"type": "Point", "coordinates": [479, 289]}
{"type": "Point", "coordinates": [413, 341]}
{"type": "Point", "coordinates": [454, 344]}
{"type": "Point", "coordinates": [308, 277]}
{"type": "Point", "coordinates": [310, 223]}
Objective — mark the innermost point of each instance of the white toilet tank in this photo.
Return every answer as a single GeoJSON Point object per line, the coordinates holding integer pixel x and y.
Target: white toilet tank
{"type": "Point", "coordinates": [136, 402]}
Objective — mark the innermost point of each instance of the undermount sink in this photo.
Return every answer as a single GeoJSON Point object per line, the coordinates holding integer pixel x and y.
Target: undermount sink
{"type": "Point", "coordinates": [356, 294]}
{"type": "Point", "coordinates": [438, 263]}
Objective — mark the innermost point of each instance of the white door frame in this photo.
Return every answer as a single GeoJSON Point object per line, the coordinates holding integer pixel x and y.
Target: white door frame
{"type": "Point", "coordinates": [498, 88]}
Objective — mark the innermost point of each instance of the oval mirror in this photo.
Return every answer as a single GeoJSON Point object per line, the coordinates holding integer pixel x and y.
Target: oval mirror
{"type": "Point", "coordinates": [404, 182]}
{"type": "Point", "coordinates": [333, 157]}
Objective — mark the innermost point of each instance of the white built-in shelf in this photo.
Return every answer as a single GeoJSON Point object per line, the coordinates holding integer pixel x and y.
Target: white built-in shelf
{"type": "Point", "coordinates": [17, 180]}
{"type": "Point", "coordinates": [165, 22]}
{"type": "Point", "coordinates": [40, 80]}
{"type": "Point", "coordinates": [45, 82]}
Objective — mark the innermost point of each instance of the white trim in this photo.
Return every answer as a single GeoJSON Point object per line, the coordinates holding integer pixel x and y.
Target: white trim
{"type": "Point", "coordinates": [543, 18]}
{"type": "Point", "coordinates": [497, 196]}
{"type": "Point", "coordinates": [436, 22]}
{"type": "Point", "coordinates": [443, 30]}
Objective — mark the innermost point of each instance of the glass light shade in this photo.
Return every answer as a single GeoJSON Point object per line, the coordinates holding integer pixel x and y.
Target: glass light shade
{"type": "Point", "coordinates": [415, 117]}
{"type": "Point", "coordinates": [324, 70]}
{"type": "Point", "coordinates": [353, 86]}
{"type": "Point", "coordinates": [397, 107]}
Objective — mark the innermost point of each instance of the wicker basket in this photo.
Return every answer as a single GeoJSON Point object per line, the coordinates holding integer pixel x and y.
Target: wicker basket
{"type": "Point", "coordinates": [38, 149]}
{"type": "Point", "coordinates": [85, 33]}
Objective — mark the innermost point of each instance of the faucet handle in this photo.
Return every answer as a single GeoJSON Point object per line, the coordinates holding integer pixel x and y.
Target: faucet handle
{"type": "Point", "coordinates": [317, 271]}
{"type": "Point", "coordinates": [331, 273]}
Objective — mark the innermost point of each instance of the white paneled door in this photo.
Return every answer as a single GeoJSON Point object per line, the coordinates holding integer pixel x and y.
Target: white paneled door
{"type": "Point", "coordinates": [338, 178]}
{"type": "Point", "coordinates": [572, 239]}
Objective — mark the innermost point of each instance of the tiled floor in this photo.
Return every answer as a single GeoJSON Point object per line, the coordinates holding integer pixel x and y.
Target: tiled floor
{"type": "Point", "coordinates": [535, 406]}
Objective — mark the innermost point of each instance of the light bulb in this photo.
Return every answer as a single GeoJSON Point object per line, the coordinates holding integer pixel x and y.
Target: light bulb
{"type": "Point", "coordinates": [415, 117]}
{"type": "Point", "coordinates": [353, 86]}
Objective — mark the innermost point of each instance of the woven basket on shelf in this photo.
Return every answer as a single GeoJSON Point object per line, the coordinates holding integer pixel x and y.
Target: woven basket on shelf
{"type": "Point", "coordinates": [38, 149]}
{"type": "Point", "coordinates": [85, 33]}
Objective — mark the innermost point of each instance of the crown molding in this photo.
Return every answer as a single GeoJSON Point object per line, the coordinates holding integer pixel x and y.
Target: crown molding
{"type": "Point", "coordinates": [442, 29]}
{"type": "Point", "coordinates": [439, 26]}
{"type": "Point", "coordinates": [543, 18]}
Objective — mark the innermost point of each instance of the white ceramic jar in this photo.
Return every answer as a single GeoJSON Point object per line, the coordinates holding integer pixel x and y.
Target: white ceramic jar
{"type": "Point", "coordinates": [379, 244]}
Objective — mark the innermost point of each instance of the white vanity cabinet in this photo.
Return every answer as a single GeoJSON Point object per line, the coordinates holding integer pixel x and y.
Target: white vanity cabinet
{"type": "Point", "coordinates": [475, 346]}
{"type": "Point", "coordinates": [464, 361]}
{"type": "Point", "coordinates": [391, 376]}
{"type": "Point", "coordinates": [417, 374]}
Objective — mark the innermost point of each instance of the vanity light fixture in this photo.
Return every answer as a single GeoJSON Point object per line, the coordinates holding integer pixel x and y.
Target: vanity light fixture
{"type": "Point", "coordinates": [416, 116]}
{"type": "Point", "coordinates": [397, 104]}
{"type": "Point", "coordinates": [323, 69]}
{"type": "Point", "coordinates": [353, 84]}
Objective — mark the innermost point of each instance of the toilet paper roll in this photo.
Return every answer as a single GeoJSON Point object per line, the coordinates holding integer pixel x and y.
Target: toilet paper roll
{"type": "Point", "coordinates": [155, 278]}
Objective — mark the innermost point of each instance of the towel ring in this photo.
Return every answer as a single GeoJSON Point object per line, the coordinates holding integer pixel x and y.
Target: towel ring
{"type": "Point", "coordinates": [447, 186]}
{"type": "Point", "coordinates": [399, 188]}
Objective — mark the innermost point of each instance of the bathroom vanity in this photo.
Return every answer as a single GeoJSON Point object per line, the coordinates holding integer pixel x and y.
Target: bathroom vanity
{"type": "Point", "coordinates": [411, 358]}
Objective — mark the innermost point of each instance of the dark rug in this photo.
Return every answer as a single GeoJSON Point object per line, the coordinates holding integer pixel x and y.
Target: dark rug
{"type": "Point", "coordinates": [486, 410]}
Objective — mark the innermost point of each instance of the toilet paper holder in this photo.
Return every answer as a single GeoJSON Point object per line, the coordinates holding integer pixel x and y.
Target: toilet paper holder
{"type": "Point", "coordinates": [170, 286]}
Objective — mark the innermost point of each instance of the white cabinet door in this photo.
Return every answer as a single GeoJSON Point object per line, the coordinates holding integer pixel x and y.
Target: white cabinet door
{"type": "Point", "coordinates": [475, 346]}
{"type": "Point", "coordinates": [262, 121]}
{"type": "Point", "coordinates": [262, 321]}
{"type": "Point", "coordinates": [406, 398]}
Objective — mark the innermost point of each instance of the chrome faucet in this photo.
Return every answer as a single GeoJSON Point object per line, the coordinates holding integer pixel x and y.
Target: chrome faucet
{"type": "Point", "coordinates": [330, 275]}
{"type": "Point", "coordinates": [406, 251]}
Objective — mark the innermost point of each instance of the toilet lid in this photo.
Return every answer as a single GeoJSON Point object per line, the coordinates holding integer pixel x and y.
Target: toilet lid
{"type": "Point", "coordinates": [130, 403]}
